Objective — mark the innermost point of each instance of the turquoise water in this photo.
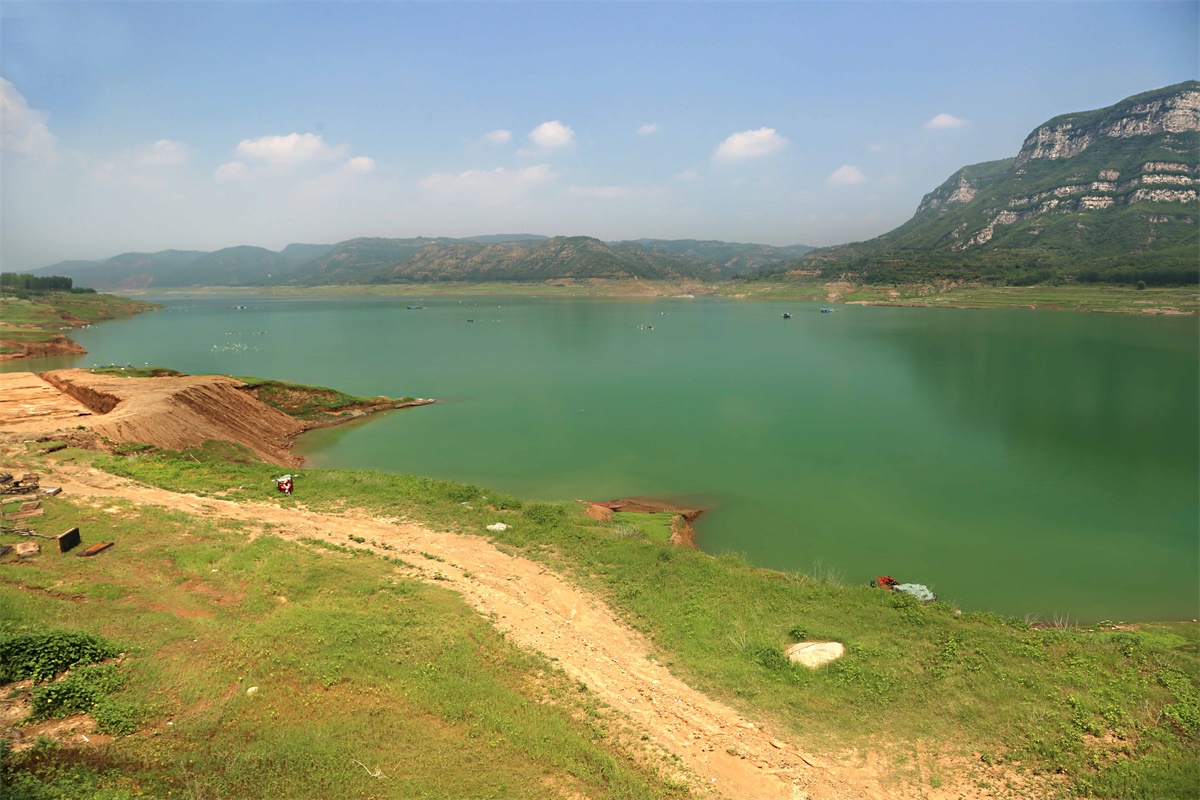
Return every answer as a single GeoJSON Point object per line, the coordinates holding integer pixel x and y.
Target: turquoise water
{"type": "Point", "coordinates": [1020, 462]}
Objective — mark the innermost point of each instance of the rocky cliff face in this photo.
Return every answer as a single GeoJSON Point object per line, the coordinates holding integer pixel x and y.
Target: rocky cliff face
{"type": "Point", "coordinates": [1163, 122]}
{"type": "Point", "coordinates": [1065, 137]}
{"type": "Point", "coordinates": [1114, 188]}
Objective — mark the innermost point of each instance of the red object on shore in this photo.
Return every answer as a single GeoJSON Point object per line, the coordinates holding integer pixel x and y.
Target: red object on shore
{"type": "Point", "coordinates": [885, 582]}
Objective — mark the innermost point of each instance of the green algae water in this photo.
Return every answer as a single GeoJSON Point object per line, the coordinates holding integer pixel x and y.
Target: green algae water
{"type": "Point", "coordinates": [1019, 462]}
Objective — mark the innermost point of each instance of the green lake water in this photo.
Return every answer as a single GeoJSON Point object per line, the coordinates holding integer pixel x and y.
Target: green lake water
{"type": "Point", "coordinates": [1020, 462]}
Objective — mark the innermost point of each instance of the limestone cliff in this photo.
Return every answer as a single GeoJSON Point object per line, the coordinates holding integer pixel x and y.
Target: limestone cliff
{"type": "Point", "coordinates": [1095, 195]}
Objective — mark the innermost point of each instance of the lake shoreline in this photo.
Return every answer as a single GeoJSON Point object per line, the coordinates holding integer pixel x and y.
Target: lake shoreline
{"type": "Point", "coordinates": [860, 439]}
{"type": "Point", "coordinates": [173, 411]}
{"type": "Point", "coordinates": [1166, 301]}
{"type": "Point", "coordinates": [683, 519]}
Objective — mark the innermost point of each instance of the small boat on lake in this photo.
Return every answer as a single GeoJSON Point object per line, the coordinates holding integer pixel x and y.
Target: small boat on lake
{"type": "Point", "coordinates": [415, 308]}
{"type": "Point", "coordinates": [787, 315]}
{"type": "Point", "coordinates": [826, 310]}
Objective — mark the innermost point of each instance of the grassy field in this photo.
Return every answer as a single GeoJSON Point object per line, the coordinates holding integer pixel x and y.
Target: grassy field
{"type": "Point", "coordinates": [357, 671]}
{"type": "Point", "coordinates": [1067, 297]}
{"type": "Point", "coordinates": [563, 288]}
{"type": "Point", "coordinates": [43, 317]}
{"type": "Point", "coordinates": [1112, 299]}
{"type": "Point", "coordinates": [1112, 711]}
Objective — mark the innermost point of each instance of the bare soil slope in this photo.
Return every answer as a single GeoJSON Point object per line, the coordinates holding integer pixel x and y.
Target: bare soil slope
{"type": "Point", "coordinates": [169, 412]}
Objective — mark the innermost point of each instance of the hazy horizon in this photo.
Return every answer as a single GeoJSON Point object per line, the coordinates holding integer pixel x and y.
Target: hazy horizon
{"type": "Point", "coordinates": [139, 127]}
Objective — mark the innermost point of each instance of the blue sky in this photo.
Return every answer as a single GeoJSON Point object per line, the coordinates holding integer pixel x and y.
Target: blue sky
{"type": "Point", "coordinates": [143, 126]}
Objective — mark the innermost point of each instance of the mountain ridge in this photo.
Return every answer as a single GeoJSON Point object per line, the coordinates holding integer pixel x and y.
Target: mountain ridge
{"type": "Point", "coordinates": [364, 260]}
{"type": "Point", "coordinates": [1106, 195]}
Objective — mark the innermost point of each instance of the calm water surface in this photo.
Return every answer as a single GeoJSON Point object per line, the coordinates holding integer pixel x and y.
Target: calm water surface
{"type": "Point", "coordinates": [1014, 461]}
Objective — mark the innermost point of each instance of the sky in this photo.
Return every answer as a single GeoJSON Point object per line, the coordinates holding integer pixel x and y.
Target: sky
{"type": "Point", "coordinates": [199, 125]}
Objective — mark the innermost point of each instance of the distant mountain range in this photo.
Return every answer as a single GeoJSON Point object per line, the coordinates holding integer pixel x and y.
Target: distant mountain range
{"type": "Point", "coordinates": [1106, 195]}
{"type": "Point", "coordinates": [506, 257]}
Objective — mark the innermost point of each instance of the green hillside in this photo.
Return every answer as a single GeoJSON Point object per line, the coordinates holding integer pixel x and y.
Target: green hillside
{"type": "Point", "coordinates": [729, 259]}
{"type": "Point", "coordinates": [433, 260]}
{"type": "Point", "coordinates": [230, 266]}
{"type": "Point", "coordinates": [1096, 196]}
{"type": "Point", "coordinates": [517, 257]}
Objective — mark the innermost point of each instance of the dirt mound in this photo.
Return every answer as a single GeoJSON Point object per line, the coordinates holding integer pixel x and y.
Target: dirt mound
{"type": "Point", "coordinates": [178, 412]}
{"type": "Point", "coordinates": [57, 345]}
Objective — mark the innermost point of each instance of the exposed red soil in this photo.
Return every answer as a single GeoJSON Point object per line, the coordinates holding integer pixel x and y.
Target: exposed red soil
{"type": "Point", "coordinates": [58, 345]}
{"type": "Point", "coordinates": [682, 523]}
{"type": "Point", "coordinates": [172, 412]}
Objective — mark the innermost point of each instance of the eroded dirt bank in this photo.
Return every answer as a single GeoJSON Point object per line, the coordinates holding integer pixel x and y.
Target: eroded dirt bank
{"type": "Point", "coordinates": [178, 412]}
{"type": "Point", "coordinates": [173, 412]}
{"type": "Point", "coordinates": [683, 521]}
{"type": "Point", "coordinates": [57, 345]}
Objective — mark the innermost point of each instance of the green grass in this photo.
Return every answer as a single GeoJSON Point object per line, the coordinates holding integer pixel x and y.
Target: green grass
{"type": "Point", "coordinates": [590, 287]}
{"type": "Point", "coordinates": [1070, 296]}
{"type": "Point", "coordinates": [651, 527]}
{"type": "Point", "coordinates": [130, 371]}
{"type": "Point", "coordinates": [1112, 713]}
{"type": "Point", "coordinates": [42, 317]}
{"type": "Point", "coordinates": [1063, 297]}
{"type": "Point", "coordinates": [309, 402]}
{"type": "Point", "coordinates": [1067, 297]}
{"type": "Point", "coordinates": [352, 663]}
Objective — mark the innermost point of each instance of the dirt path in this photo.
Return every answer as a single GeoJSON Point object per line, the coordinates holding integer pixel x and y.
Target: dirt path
{"type": "Point", "coordinates": [539, 609]}
{"type": "Point", "coordinates": [29, 404]}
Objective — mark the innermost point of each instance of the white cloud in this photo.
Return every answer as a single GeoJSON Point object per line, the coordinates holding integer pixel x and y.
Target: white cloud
{"type": "Point", "coordinates": [163, 153]}
{"type": "Point", "coordinates": [846, 175]}
{"type": "Point", "coordinates": [499, 136]}
{"type": "Point", "coordinates": [600, 192]}
{"type": "Point", "coordinates": [489, 185]}
{"type": "Point", "coordinates": [687, 175]}
{"type": "Point", "coordinates": [289, 150]}
{"type": "Point", "coordinates": [648, 129]}
{"type": "Point", "coordinates": [945, 121]}
{"type": "Point", "coordinates": [552, 135]}
{"type": "Point", "coordinates": [23, 129]}
{"type": "Point", "coordinates": [750, 144]}
{"type": "Point", "coordinates": [360, 165]}
{"type": "Point", "coordinates": [232, 171]}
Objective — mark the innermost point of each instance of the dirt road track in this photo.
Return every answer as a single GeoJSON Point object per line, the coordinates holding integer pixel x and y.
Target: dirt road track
{"type": "Point", "coordinates": [539, 609]}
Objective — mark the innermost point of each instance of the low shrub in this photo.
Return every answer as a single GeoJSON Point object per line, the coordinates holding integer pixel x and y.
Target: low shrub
{"type": "Point", "coordinates": [78, 692]}
{"type": "Point", "coordinates": [41, 656]}
{"type": "Point", "coordinates": [545, 513]}
{"type": "Point", "coordinates": [115, 716]}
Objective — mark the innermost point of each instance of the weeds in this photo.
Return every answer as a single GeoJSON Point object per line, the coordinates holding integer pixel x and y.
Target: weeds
{"type": "Point", "coordinates": [42, 656]}
{"type": "Point", "coordinates": [912, 672]}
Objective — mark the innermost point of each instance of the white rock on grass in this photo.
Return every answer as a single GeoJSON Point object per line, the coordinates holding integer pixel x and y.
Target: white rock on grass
{"type": "Point", "coordinates": [814, 654]}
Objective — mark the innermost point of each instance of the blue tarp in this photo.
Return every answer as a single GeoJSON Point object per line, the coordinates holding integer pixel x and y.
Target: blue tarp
{"type": "Point", "coordinates": [917, 590]}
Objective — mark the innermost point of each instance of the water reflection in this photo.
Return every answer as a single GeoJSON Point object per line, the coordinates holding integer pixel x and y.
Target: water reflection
{"type": "Point", "coordinates": [1124, 389]}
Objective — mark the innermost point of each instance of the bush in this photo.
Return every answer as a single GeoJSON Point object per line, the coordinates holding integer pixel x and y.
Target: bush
{"type": "Point", "coordinates": [82, 689]}
{"type": "Point", "coordinates": [545, 513]}
{"type": "Point", "coordinates": [115, 717]}
{"type": "Point", "coordinates": [461, 492]}
{"type": "Point", "coordinates": [505, 502]}
{"type": "Point", "coordinates": [41, 656]}
{"type": "Point", "coordinates": [770, 657]}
